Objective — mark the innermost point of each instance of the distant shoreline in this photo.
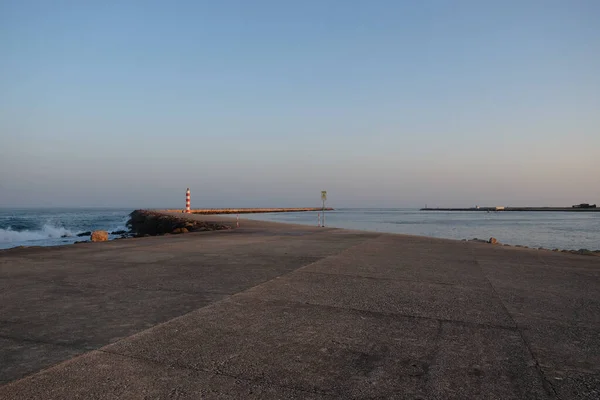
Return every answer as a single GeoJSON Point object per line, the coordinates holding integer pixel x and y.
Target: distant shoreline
{"type": "Point", "coordinates": [488, 209]}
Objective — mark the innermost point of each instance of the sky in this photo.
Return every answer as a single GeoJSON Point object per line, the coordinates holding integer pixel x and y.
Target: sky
{"type": "Point", "coordinates": [266, 103]}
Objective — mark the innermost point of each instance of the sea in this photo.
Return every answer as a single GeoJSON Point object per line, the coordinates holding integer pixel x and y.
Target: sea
{"type": "Point", "coordinates": [56, 226]}
{"type": "Point", "coordinates": [562, 230]}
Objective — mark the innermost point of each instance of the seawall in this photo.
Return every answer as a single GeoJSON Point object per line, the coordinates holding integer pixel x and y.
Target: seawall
{"type": "Point", "coordinates": [547, 209]}
{"type": "Point", "coordinates": [215, 211]}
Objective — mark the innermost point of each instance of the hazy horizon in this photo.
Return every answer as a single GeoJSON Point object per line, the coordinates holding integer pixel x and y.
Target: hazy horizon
{"type": "Point", "coordinates": [259, 104]}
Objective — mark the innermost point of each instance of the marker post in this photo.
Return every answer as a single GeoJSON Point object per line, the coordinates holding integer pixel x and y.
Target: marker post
{"type": "Point", "coordinates": [323, 197]}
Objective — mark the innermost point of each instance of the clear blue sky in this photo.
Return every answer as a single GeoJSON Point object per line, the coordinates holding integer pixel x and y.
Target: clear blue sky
{"type": "Point", "coordinates": [266, 103]}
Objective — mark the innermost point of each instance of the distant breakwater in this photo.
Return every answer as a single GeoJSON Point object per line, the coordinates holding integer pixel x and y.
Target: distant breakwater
{"type": "Point", "coordinates": [213, 211]}
{"type": "Point", "coordinates": [550, 209]}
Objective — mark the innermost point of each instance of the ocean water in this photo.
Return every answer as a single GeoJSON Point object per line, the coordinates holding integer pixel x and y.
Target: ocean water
{"type": "Point", "coordinates": [54, 227]}
{"type": "Point", "coordinates": [563, 230]}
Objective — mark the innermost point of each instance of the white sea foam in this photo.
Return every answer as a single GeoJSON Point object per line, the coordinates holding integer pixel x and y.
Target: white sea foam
{"type": "Point", "coordinates": [47, 232]}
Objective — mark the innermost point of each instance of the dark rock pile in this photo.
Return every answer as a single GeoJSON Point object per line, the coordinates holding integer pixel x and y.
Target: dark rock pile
{"type": "Point", "coordinates": [149, 223]}
{"type": "Point", "coordinates": [583, 252]}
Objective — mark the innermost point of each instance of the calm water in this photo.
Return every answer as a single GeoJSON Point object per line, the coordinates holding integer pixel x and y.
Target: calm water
{"type": "Point", "coordinates": [51, 227]}
{"type": "Point", "coordinates": [564, 230]}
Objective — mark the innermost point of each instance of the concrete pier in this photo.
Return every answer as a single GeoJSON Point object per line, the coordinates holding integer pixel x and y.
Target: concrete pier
{"type": "Point", "coordinates": [272, 311]}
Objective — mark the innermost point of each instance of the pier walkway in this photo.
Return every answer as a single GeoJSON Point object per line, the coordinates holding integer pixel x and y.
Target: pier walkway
{"type": "Point", "coordinates": [272, 311]}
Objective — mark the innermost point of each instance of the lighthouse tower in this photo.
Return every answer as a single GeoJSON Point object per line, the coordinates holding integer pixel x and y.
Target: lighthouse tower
{"type": "Point", "coordinates": [187, 201]}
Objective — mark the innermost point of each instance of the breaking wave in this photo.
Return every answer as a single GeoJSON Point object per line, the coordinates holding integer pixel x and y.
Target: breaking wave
{"type": "Point", "coordinates": [47, 232]}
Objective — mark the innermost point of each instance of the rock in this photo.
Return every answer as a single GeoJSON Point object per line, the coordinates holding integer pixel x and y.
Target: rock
{"type": "Point", "coordinates": [493, 240]}
{"type": "Point", "coordinates": [99, 236]}
{"type": "Point", "coordinates": [88, 233]}
{"type": "Point", "coordinates": [555, 250]}
{"type": "Point", "coordinates": [118, 232]}
{"type": "Point", "coordinates": [478, 240]}
{"type": "Point", "coordinates": [585, 252]}
{"type": "Point", "coordinates": [179, 230]}
{"type": "Point", "coordinates": [81, 241]}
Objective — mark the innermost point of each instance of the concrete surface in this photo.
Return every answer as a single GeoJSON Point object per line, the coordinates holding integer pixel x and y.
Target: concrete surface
{"type": "Point", "coordinates": [272, 311]}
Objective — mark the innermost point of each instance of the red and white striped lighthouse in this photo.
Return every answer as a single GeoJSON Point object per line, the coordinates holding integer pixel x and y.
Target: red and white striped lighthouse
{"type": "Point", "coordinates": [187, 201]}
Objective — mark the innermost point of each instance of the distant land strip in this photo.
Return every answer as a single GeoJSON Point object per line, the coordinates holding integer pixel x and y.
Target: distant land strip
{"type": "Point", "coordinates": [569, 209]}
{"type": "Point", "coordinates": [249, 210]}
